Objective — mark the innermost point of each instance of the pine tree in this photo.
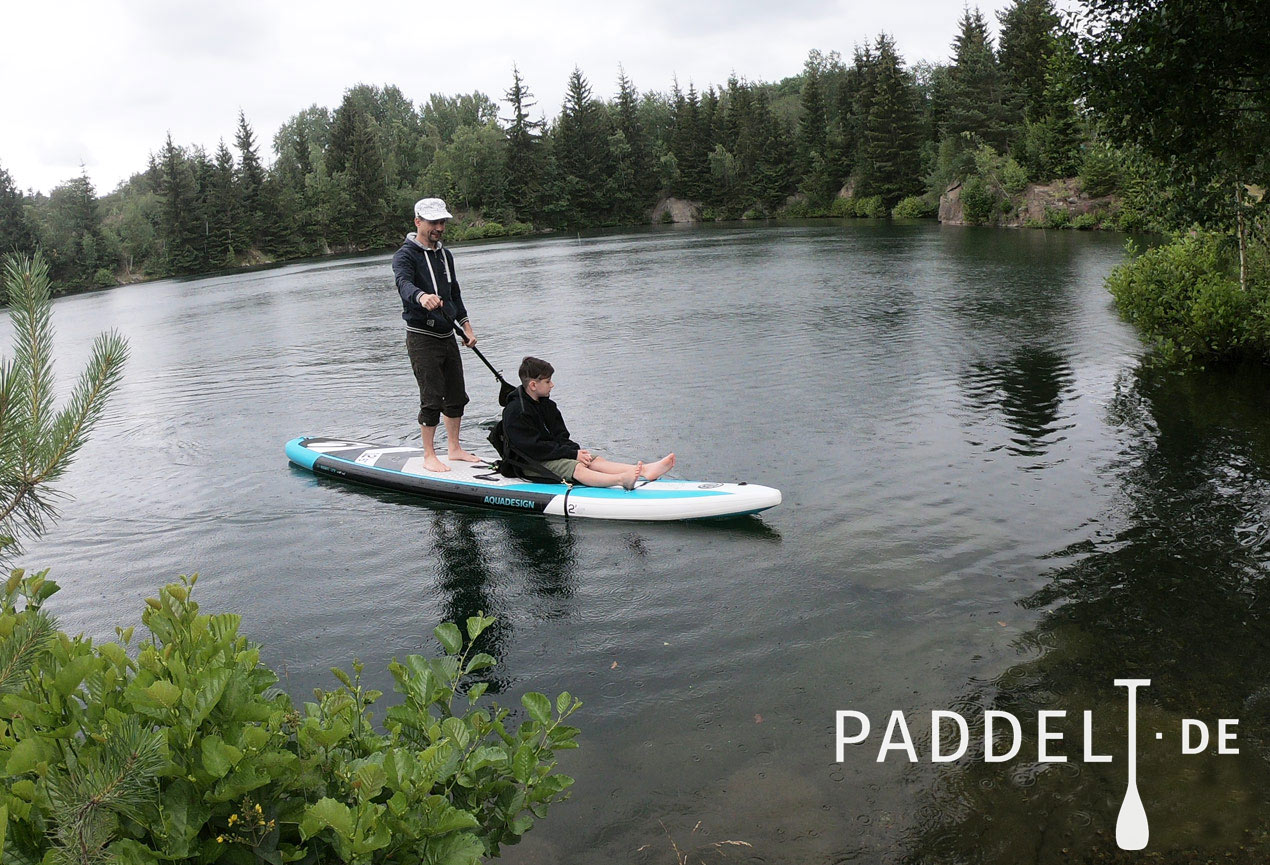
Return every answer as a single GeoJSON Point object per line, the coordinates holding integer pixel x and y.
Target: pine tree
{"type": "Point", "coordinates": [892, 132]}
{"type": "Point", "coordinates": [367, 195]}
{"type": "Point", "coordinates": [299, 172]}
{"type": "Point", "coordinates": [223, 209]}
{"type": "Point", "coordinates": [74, 238]}
{"type": "Point", "coordinates": [251, 179]}
{"type": "Point", "coordinates": [688, 145]}
{"type": "Point", "coordinates": [1029, 38]}
{"type": "Point", "coordinates": [771, 151]}
{"type": "Point", "coordinates": [582, 152]}
{"type": "Point", "coordinates": [978, 101]}
{"type": "Point", "coordinates": [178, 225]}
{"type": "Point", "coordinates": [813, 119]}
{"type": "Point", "coordinates": [357, 196]}
{"type": "Point", "coordinates": [38, 443]}
{"type": "Point", "coordinates": [854, 105]}
{"type": "Point", "coordinates": [15, 230]}
{"type": "Point", "coordinates": [524, 157]}
{"type": "Point", "coordinates": [1052, 143]}
{"type": "Point", "coordinates": [633, 186]}
{"type": "Point", "coordinates": [204, 171]}
{"type": "Point", "coordinates": [812, 166]}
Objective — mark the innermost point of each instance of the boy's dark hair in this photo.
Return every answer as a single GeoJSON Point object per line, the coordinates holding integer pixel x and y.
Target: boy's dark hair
{"type": "Point", "coordinates": [534, 367]}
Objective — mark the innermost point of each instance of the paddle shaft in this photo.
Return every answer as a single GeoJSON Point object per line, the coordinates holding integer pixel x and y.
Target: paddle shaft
{"type": "Point", "coordinates": [441, 311]}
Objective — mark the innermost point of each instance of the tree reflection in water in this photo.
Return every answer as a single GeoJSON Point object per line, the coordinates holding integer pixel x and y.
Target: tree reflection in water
{"type": "Point", "coordinates": [478, 556]}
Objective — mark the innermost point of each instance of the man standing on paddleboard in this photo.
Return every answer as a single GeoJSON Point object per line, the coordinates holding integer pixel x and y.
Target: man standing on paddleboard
{"type": "Point", "coordinates": [432, 307]}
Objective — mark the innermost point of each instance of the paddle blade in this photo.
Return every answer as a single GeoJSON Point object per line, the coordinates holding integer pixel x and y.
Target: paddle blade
{"type": "Point", "coordinates": [505, 392]}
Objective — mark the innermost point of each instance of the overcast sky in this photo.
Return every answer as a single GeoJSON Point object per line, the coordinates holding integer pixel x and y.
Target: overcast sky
{"type": "Point", "coordinates": [102, 83]}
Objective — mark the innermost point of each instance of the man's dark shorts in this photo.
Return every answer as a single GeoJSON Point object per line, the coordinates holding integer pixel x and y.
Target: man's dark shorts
{"type": "Point", "coordinates": [439, 371]}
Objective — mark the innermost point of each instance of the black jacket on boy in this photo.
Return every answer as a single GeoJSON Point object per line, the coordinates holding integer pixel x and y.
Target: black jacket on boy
{"type": "Point", "coordinates": [535, 429]}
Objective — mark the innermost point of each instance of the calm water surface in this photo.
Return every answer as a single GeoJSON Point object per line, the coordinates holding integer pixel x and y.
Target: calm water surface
{"type": "Point", "coordinates": [991, 502]}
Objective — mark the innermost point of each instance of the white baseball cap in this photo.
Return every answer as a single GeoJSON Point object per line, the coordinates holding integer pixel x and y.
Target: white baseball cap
{"type": "Point", "coordinates": [432, 209]}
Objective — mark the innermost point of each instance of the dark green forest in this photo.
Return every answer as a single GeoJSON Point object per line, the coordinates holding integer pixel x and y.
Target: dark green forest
{"type": "Point", "coordinates": [841, 138]}
{"type": "Point", "coordinates": [872, 136]}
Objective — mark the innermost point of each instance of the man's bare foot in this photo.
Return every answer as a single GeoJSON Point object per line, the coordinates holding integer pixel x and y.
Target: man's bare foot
{"type": "Point", "coordinates": [653, 471]}
{"type": "Point", "coordinates": [462, 456]}
{"type": "Point", "coordinates": [630, 477]}
{"type": "Point", "coordinates": [433, 464]}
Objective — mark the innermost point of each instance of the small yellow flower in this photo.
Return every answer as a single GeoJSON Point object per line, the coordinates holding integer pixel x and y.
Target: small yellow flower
{"type": "Point", "coordinates": [258, 811]}
{"type": "Point", "coordinates": [220, 839]}
{"type": "Point", "coordinates": [233, 818]}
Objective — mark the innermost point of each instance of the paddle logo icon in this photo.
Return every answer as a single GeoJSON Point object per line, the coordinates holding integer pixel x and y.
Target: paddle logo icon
{"type": "Point", "coordinates": [1132, 829]}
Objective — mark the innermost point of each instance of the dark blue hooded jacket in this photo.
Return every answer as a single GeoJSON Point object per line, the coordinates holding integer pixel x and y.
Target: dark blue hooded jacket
{"type": "Point", "coordinates": [418, 269]}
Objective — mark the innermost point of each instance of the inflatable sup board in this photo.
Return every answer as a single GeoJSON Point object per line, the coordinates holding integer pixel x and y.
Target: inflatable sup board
{"type": "Point", "coordinates": [477, 484]}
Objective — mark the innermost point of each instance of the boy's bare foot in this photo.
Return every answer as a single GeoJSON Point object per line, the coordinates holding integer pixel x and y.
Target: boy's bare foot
{"type": "Point", "coordinates": [462, 456]}
{"type": "Point", "coordinates": [434, 464]}
{"type": "Point", "coordinates": [630, 477]}
{"type": "Point", "coordinates": [653, 471]}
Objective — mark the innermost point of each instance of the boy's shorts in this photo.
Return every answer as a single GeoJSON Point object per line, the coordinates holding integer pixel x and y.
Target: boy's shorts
{"type": "Point", "coordinates": [563, 468]}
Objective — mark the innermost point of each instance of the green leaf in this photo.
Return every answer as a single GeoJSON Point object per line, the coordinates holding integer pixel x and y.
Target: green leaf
{"type": "Point", "coordinates": [378, 837]}
{"type": "Point", "coordinates": [551, 786]}
{"type": "Point", "coordinates": [442, 817]}
{"type": "Point", "coordinates": [246, 777]}
{"type": "Point", "coordinates": [458, 731]}
{"type": "Point", "coordinates": [486, 756]}
{"type": "Point", "coordinates": [461, 849]}
{"type": "Point", "coordinates": [398, 804]}
{"type": "Point", "coordinates": [563, 702]}
{"type": "Point", "coordinates": [265, 854]}
{"type": "Point", "coordinates": [184, 814]}
{"type": "Point", "coordinates": [477, 624]}
{"type": "Point", "coordinates": [326, 813]}
{"type": "Point", "coordinates": [523, 763]}
{"type": "Point", "coordinates": [562, 738]}
{"type": "Point", "coordinates": [255, 737]}
{"type": "Point", "coordinates": [25, 756]}
{"type": "Point", "coordinates": [371, 778]}
{"type": "Point", "coordinates": [474, 693]}
{"type": "Point", "coordinates": [449, 636]}
{"type": "Point", "coordinates": [399, 769]}
{"type": "Point", "coordinates": [164, 692]}
{"type": "Point", "coordinates": [126, 851]}
{"type": "Point", "coordinates": [4, 828]}
{"type": "Point", "coordinates": [343, 677]}
{"type": "Point", "coordinates": [219, 758]}
{"type": "Point", "coordinates": [70, 676]}
{"type": "Point", "coordinates": [209, 695]}
{"type": "Point", "coordinates": [538, 706]}
{"type": "Point", "coordinates": [479, 661]}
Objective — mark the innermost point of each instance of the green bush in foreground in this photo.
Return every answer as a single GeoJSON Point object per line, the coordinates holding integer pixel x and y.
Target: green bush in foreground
{"type": "Point", "coordinates": [1185, 297]}
{"type": "Point", "coordinates": [179, 749]}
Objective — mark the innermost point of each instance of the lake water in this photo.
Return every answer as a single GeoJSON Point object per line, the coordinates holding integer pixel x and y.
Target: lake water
{"type": "Point", "coordinates": [991, 501]}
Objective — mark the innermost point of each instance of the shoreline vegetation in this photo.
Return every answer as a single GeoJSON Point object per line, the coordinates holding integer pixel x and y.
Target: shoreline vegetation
{"type": "Point", "coordinates": [1053, 122]}
{"type": "Point", "coordinates": [867, 137]}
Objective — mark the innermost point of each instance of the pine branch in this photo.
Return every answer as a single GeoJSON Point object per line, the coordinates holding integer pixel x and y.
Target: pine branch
{"type": "Point", "coordinates": [117, 778]}
{"type": "Point", "coordinates": [20, 649]}
{"type": "Point", "coordinates": [36, 446]}
{"type": "Point", "coordinates": [72, 424]}
{"type": "Point", "coordinates": [30, 305]}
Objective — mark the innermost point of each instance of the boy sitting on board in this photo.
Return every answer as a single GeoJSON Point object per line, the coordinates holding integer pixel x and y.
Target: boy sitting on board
{"type": "Point", "coordinates": [535, 433]}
